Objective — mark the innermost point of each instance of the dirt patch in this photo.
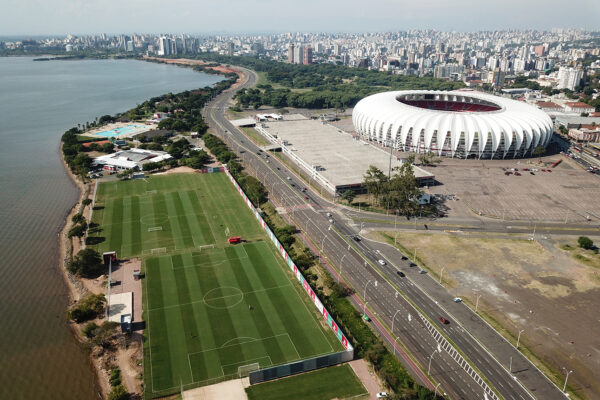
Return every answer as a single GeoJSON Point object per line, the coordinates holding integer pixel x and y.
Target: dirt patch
{"type": "Point", "coordinates": [524, 284]}
{"type": "Point", "coordinates": [228, 390]}
{"type": "Point", "coordinates": [367, 376]}
{"type": "Point", "coordinates": [177, 170]}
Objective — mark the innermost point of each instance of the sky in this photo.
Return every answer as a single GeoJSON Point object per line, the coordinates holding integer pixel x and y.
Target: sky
{"type": "Point", "coordinates": [60, 17]}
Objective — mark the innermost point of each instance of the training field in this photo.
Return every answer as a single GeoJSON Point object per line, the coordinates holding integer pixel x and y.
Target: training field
{"type": "Point", "coordinates": [210, 307]}
{"type": "Point", "coordinates": [169, 213]}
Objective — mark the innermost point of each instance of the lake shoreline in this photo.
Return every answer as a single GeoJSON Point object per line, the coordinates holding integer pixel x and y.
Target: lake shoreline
{"type": "Point", "coordinates": [79, 287]}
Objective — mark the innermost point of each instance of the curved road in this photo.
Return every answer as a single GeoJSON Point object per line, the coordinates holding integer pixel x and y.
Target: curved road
{"type": "Point", "coordinates": [391, 300]}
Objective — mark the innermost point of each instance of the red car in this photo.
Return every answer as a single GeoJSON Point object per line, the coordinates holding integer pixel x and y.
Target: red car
{"type": "Point", "coordinates": [444, 320]}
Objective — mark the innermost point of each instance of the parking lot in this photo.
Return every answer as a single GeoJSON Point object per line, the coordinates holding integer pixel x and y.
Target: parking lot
{"type": "Point", "coordinates": [492, 188]}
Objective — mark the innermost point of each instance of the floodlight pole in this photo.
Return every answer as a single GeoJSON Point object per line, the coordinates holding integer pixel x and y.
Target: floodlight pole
{"type": "Point", "coordinates": [390, 166]}
{"type": "Point", "coordinates": [109, 285]}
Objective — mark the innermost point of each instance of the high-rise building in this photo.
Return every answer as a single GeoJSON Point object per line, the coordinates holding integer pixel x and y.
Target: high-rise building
{"type": "Point", "coordinates": [130, 45]}
{"type": "Point", "coordinates": [337, 49]}
{"type": "Point", "coordinates": [299, 55]}
{"type": "Point", "coordinates": [569, 78]}
{"type": "Point", "coordinates": [164, 46]}
{"type": "Point", "coordinates": [307, 55]}
{"type": "Point", "coordinates": [291, 49]}
{"type": "Point", "coordinates": [230, 48]}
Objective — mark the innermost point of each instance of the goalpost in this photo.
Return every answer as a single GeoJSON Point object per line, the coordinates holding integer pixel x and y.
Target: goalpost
{"type": "Point", "coordinates": [244, 370]}
{"type": "Point", "coordinates": [227, 231]}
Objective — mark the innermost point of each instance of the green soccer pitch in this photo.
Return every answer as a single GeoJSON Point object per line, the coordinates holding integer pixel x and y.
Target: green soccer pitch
{"type": "Point", "coordinates": [210, 307]}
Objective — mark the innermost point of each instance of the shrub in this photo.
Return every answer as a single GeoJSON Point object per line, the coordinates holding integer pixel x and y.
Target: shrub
{"type": "Point", "coordinates": [118, 393]}
{"type": "Point", "coordinates": [89, 308]}
{"type": "Point", "coordinates": [89, 330]}
{"type": "Point", "coordinates": [115, 376]}
{"type": "Point", "coordinates": [86, 202]}
{"type": "Point", "coordinates": [585, 242]}
{"type": "Point", "coordinates": [78, 230]}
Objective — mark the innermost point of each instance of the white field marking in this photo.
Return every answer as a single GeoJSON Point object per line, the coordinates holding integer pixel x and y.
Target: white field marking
{"type": "Point", "coordinates": [159, 250]}
{"type": "Point", "coordinates": [202, 301]}
{"type": "Point", "coordinates": [252, 339]}
{"type": "Point", "coordinates": [155, 228]}
{"type": "Point", "coordinates": [193, 381]}
{"type": "Point", "coordinates": [230, 345]}
{"type": "Point", "coordinates": [150, 191]}
{"type": "Point", "coordinates": [293, 345]}
{"type": "Point", "coordinates": [248, 363]}
{"type": "Point", "coordinates": [213, 264]}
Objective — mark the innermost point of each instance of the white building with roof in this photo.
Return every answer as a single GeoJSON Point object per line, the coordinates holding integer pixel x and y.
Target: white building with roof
{"type": "Point", "coordinates": [130, 159]}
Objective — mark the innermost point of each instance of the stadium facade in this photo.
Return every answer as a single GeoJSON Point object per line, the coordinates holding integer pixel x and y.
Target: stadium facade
{"type": "Point", "coordinates": [461, 123]}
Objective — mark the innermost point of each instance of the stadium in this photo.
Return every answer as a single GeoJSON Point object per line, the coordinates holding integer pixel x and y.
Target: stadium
{"type": "Point", "coordinates": [461, 123]}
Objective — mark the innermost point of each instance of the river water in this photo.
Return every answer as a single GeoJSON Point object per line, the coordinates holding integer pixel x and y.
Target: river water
{"type": "Point", "coordinates": [39, 357]}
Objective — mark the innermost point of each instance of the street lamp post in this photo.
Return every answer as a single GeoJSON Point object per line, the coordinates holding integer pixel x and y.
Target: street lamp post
{"type": "Point", "coordinates": [441, 274]}
{"type": "Point", "coordinates": [365, 296]}
{"type": "Point", "coordinates": [519, 337]}
{"type": "Point", "coordinates": [323, 243]}
{"type": "Point", "coordinates": [510, 365]}
{"type": "Point", "coordinates": [341, 266]}
{"type": "Point", "coordinates": [477, 303]}
{"type": "Point", "coordinates": [436, 388]}
{"type": "Point", "coordinates": [566, 379]}
{"type": "Point", "coordinates": [430, 358]}
{"type": "Point", "coordinates": [397, 311]}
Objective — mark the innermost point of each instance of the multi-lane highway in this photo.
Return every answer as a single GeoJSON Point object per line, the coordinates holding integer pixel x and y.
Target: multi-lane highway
{"type": "Point", "coordinates": [401, 307]}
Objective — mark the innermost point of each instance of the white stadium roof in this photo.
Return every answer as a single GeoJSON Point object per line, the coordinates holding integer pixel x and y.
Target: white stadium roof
{"type": "Point", "coordinates": [461, 123]}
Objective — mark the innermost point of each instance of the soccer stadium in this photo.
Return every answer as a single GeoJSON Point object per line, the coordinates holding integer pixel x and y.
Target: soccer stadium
{"type": "Point", "coordinates": [461, 123]}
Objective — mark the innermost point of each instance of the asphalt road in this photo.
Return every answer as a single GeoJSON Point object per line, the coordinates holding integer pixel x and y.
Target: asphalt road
{"type": "Point", "coordinates": [390, 299]}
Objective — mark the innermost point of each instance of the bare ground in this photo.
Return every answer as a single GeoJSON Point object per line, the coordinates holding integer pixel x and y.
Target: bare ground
{"type": "Point", "coordinates": [530, 285]}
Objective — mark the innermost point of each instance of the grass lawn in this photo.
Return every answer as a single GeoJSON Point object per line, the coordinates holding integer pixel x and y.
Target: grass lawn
{"type": "Point", "coordinates": [209, 307]}
{"type": "Point", "coordinates": [334, 382]}
{"type": "Point", "coordinates": [167, 213]}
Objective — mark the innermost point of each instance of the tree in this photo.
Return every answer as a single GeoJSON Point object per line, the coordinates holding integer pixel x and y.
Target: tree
{"type": "Point", "coordinates": [539, 151]}
{"type": "Point", "coordinates": [78, 230]}
{"type": "Point", "coordinates": [107, 148]}
{"type": "Point", "coordinates": [403, 190]}
{"type": "Point", "coordinates": [88, 263]}
{"type": "Point", "coordinates": [126, 173]}
{"type": "Point", "coordinates": [349, 196]}
{"type": "Point", "coordinates": [374, 180]}
{"type": "Point", "coordinates": [585, 242]}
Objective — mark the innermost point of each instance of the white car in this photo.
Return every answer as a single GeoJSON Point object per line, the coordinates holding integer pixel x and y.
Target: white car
{"type": "Point", "coordinates": [382, 395]}
{"type": "Point", "coordinates": [382, 263]}
{"type": "Point", "coordinates": [457, 299]}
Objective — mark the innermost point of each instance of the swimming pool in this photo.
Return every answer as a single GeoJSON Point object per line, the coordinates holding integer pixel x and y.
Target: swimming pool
{"type": "Point", "coordinates": [123, 130]}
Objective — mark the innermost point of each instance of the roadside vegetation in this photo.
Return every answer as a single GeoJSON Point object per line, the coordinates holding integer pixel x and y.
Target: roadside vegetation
{"type": "Point", "coordinates": [333, 294]}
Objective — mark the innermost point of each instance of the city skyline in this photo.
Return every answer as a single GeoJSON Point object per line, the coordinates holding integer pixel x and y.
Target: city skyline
{"type": "Point", "coordinates": [268, 16]}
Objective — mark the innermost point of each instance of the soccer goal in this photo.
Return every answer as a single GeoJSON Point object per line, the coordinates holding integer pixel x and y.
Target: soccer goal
{"type": "Point", "coordinates": [150, 192]}
{"type": "Point", "coordinates": [206, 247]}
{"type": "Point", "coordinates": [227, 231]}
{"type": "Point", "coordinates": [159, 250]}
{"type": "Point", "coordinates": [155, 228]}
{"type": "Point", "coordinates": [244, 370]}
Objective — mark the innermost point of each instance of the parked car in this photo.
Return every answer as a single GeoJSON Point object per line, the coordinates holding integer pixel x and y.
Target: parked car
{"type": "Point", "coordinates": [422, 271]}
{"type": "Point", "coordinates": [457, 299]}
{"type": "Point", "coordinates": [400, 274]}
{"type": "Point", "coordinates": [356, 238]}
{"type": "Point", "coordinates": [381, 262]}
{"type": "Point", "coordinates": [382, 395]}
{"type": "Point", "coordinates": [404, 257]}
{"type": "Point", "coordinates": [444, 321]}
{"type": "Point", "coordinates": [412, 264]}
